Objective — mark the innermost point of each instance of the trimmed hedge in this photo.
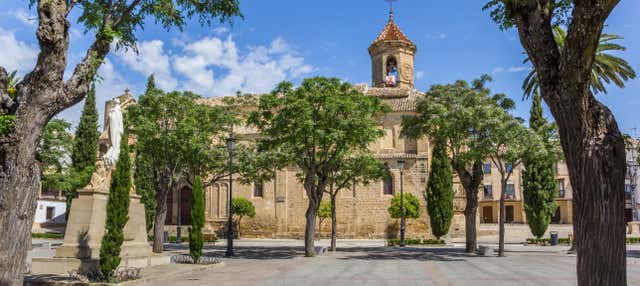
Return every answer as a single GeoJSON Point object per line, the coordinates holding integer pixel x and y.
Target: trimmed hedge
{"type": "Point", "coordinates": [630, 240]}
{"type": "Point", "coordinates": [48, 235]}
{"type": "Point", "coordinates": [207, 237]}
{"type": "Point", "coordinates": [410, 241]}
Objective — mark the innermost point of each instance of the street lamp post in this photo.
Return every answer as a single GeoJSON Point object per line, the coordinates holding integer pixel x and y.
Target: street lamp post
{"type": "Point", "coordinates": [231, 142]}
{"type": "Point", "coordinates": [402, 221]}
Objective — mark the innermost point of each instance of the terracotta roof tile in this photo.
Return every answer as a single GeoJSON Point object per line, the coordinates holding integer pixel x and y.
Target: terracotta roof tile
{"type": "Point", "coordinates": [392, 32]}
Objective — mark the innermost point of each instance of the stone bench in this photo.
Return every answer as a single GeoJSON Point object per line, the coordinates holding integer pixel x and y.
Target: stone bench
{"type": "Point", "coordinates": [484, 250]}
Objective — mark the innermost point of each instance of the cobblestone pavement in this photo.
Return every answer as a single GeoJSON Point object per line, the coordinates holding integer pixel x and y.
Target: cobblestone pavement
{"type": "Point", "coordinates": [283, 265]}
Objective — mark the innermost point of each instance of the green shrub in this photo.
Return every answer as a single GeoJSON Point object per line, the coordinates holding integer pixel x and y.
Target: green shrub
{"type": "Point", "coordinates": [48, 235]}
{"type": "Point", "coordinates": [241, 208]}
{"type": "Point", "coordinates": [440, 191]}
{"type": "Point", "coordinates": [7, 123]}
{"type": "Point", "coordinates": [415, 241]}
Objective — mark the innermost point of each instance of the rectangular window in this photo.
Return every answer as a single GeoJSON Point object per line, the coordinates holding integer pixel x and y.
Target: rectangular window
{"type": "Point", "coordinates": [51, 211]}
{"type": "Point", "coordinates": [561, 188]}
{"type": "Point", "coordinates": [511, 192]}
{"type": "Point", "coordinates": [627, 188]}
{"type": "Point", "coordinates": [258, 189]}
{"type": "Point", "coordinates": [486, 168]}
{"type": "Point", "coordinates": [488, 192]}
{"type": "Point", "coordinates": [509, 167]}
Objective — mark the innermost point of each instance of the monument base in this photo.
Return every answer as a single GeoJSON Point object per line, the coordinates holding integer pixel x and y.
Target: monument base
{"type": "Point", "coordinates": [63, 266]}
{"type": "Point", "coordinates": [81, 246]}
{"type": "Point", "coordinates": [633, 227]}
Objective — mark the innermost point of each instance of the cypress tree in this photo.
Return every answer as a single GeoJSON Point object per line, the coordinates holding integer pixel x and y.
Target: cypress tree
{"type": "Point", "coordinates": [85, 146]}
{"type": "Point", "coordinates": [197, 221]}
{"type": "Point", "coordinates": [440, 191]}
{"type": "Point", "coordinates": [538, 178]}
{"type": "Point", "coordinates": [117, 212]}
{"type": "Point", "coordinates": [84, 149]}
{"type": "Point", "coordinates": [143, 180]}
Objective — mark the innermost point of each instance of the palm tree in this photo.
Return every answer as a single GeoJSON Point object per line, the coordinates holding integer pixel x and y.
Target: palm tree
{"type": "Point", "coordinates": [12, 80]}
{"type": "Point", "coordinates": [606, 68]}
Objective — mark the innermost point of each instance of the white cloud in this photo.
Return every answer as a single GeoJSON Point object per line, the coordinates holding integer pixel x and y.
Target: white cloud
{"type": "Point", "coordinates": [16, 55]}
{"type": "Point", "coordinates": [151, 59]}
{"type": "Point", "coordinates": [419, 74]}
{"type": "Point", "coordinates": [220, 30]}
{"type": "Point", "coordinates": [25, 17]}
{"type": "Point", "coordinates": [216, 67]}
{"type": "Point", "coordinates": [497, 70]}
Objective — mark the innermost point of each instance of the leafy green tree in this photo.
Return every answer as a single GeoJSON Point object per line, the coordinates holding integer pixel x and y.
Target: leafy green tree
{"type": "Point", "coordinates": [242, 208]}
{"type": "Point", "coordinates": [143, 180]}
{"type": "Point", "coordinates": [313, 127]}
{"type": "Point", "coordinates": [606, 68]}
{"type": "Point", "coordinates": [45, 92]}
{"type": "Point", "coordinates": [411, 206]}
{"type": "Point", "coordinates": [509, 142]}
{"type": "Point", "coordinates": [54, 146]}
{"type": "Point", "coordinates": [117, 212]}
{"type": "Point", "coordinates": [361, 168]}
{"type": "Point", "coordinates": [324, 212]}
{"type": "Point", "coordinates": [457, 115]}
{"type": "Point", "coordinates": [538, 178]}
{"type": "Point", "coordinates": [197, 220]}
{"type": "Point", "coordinates": [591, 140]}
{"type": "Point", "coordinates": [175, 133]}
{"type": "Point", "coordinates": [440, 191]}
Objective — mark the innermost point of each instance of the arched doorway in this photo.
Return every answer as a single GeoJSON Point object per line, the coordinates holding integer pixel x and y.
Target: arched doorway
{"type": "Point", "coordinates": [185, 206]}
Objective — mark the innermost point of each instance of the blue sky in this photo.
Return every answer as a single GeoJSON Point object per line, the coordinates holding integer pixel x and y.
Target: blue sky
{"type": "Point", "coordinates": [292, 39]}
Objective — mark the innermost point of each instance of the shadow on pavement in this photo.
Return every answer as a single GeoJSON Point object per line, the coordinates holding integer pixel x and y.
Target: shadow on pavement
{"type": "Point", "coordinates": [244, 252]}
{"type": "Point", "coordinates": [407, 253]}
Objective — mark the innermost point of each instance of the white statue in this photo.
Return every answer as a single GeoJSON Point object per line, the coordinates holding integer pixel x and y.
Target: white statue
{"type": "Point", "coordinates": [116, 128]}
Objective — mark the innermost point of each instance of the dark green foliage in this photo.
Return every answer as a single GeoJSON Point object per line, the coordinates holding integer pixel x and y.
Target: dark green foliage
{"type": "Point", "coordinates": [414, 241]}
{"type": "Point", "coordinates": [7, 123]}
{"type": "Point", "coordinates": [54, 146]}
{"type": "Point", "coordinates": [48, 235]}
{"type": "Point", "coordinates": [440, 191]}
{"type": "Point", "coordinates": [502, 11]}
{"type": "Point", "coordinates": [125, 17]}
{"type": "Point", "coordinates": [117, 212]}
{"type": "Point", "coordinates": [241, 208]}
{"type": "Point", "coordinates": [85, 145]}
{"type": "Point", "coordinates": [143, 180]}
{"type": "Point", "coordinates": [411, 206]}
{"type": "Point", "coordinates": [197, 220]}
{"type": "Point", "coordinates": [538, 178]}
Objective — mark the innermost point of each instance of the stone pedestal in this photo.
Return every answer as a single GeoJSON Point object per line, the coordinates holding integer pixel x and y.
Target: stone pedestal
{"type": "Point", "coordinates": [85, 229]}
{"type": "Point", "coordinates": [634, 227]}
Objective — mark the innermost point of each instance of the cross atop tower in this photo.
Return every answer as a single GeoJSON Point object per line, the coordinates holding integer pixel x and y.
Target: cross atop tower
{"type": "Point", "coordinates": [391, 7]}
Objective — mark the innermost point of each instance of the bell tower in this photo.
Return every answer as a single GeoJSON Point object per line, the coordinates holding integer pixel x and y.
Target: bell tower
{"type": "Point", "coordinates": [392, 55]}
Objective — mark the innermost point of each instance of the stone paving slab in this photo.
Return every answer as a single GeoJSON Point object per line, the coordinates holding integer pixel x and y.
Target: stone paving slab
{"type": "Point", "coordinates": [351, 266]}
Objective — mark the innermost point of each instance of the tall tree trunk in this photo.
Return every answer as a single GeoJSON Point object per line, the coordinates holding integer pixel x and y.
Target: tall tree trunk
{"type": "Point", "coordinates": [592, 143]}
{"type": "Point", "coordinates": [595, 155]}
{"type": "Point", "coordinates": [470, 182]}
{"type": "Point", "coordinates": [334, 223]}
{"type": "Point", "coordinates": [310, 229]}
{"type": "Point", "coordinates": [161, 215]}
{"type": "Point", "coordinates": [19, 183]}
{"type": "Point", "coordinates": [501, 219]}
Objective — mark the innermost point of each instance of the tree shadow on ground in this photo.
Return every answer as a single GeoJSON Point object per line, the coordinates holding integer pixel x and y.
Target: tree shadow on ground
{"type": "Point", "coordinates": [406, 253]}
{"type": "Point", "coordinates": [633, 253]}
{"type": "Point", "coordinates": [243, 252]}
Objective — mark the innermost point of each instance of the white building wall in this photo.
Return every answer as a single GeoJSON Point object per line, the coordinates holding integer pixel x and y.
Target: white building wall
{"type": "Point", "coordinates": [60, 208]}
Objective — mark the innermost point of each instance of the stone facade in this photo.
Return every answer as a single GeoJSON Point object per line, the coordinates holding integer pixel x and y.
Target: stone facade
{"type": "Point", "coordinates": [490, 189]}
{"type": "Point", "coordinates": [362, 211]}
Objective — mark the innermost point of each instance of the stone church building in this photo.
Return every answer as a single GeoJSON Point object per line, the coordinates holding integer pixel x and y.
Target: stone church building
{"type": "Point", "coordinates": [362, 211]}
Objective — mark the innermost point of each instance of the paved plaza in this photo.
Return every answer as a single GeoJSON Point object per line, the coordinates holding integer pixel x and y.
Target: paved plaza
{"type": "Point", "coordinates": [275, 264]}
